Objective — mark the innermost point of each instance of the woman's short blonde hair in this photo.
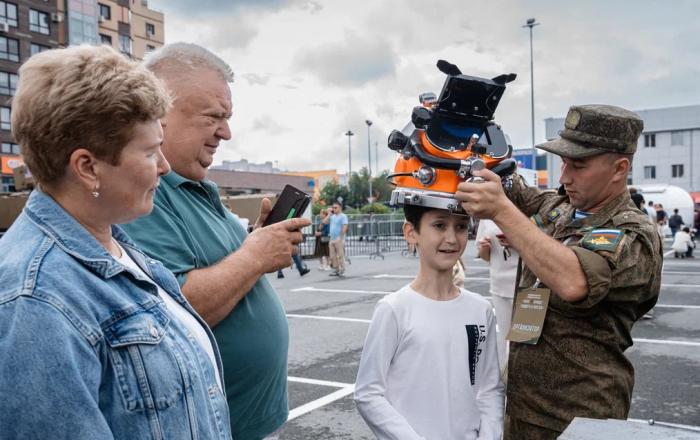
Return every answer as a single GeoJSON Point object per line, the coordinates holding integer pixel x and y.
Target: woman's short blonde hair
{"type": "Point", "coordinates": [81, 97]}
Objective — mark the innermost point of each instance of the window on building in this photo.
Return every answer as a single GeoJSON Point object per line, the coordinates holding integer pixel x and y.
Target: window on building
{"type": "Point", "coordinates": [9, 49]}
{"type": "Point", "coordinates": [5, 117]}
{"type": "Point", "coordinates": [39, 22]}
{"type": "Point", "coordinates": [678, 138]}
{"type": "Point", "coordinates": [650, 140]}
{"type": "Point", "coordinates": [8, 13]}
{"type": "Point", "coordinates": [150, 30]}
{"type": "Point", "coordinates": [8, 83]}
{"type": "Point", "coordinates": [8, 184]}
{"type": "Point", "coordinates": [9, 148]}
{"type": "Point", "coordinates": [105, 11]}
{"type": "Point", "coordinates": [125, 44]}
{"type": "Point", "coordinates": [677, 170]}
{"type": "Point", "coordinates": [36, 48]}
{"type": "Point", "coordinates": [106, 39]}
{"type": "Point", "coordinates": [650, 172]}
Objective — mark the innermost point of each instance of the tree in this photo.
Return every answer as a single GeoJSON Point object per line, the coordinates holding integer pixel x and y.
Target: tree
{"type": "Point", "coordinates": [331, 191]}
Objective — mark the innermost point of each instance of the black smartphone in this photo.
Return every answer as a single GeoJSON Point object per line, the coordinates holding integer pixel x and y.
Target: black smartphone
{"type": "Point", "coordinates": [291, 203]}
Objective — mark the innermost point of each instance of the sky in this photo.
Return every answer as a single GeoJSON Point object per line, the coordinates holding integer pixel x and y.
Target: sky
{"type": "Point", "coordinates": [306, 71]}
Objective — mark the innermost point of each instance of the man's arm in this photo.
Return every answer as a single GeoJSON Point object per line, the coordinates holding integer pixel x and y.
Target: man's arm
{"type": "Point", "coordinates": [215, 290]}
{"type": "Point", "coordinates": [546, 257]}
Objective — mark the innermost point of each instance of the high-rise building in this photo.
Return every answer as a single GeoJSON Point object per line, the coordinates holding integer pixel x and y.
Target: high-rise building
{"type": "Point", "coordinates": [31, 26]}
{"type": "Point", "coordinates": [26, 27]}
{"type": "Point", "coordinates": [130, 26]}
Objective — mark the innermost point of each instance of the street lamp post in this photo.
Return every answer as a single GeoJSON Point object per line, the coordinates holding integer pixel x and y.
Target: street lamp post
{"type": "Point", "coordinates": [530, 23]}
{"type": "Point", "coordinates": [349, 134]}
{"type": "Point", "coordinates": [369, 160]}
{"type": "Point", "coordinates": [376, 158]}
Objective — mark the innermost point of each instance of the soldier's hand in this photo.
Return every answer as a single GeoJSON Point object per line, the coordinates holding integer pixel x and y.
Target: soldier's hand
{"type": "Point", "coordinates": [482, 199]}
{"type": "Point", "coordinates": [274, 245]}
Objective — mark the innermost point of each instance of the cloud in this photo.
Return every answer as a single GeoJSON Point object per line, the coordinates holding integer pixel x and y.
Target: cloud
{"type": "Point", "coordinates": [353, 61]}
{"type": "Point", "coordinates": [209, 8]}
{"type": "Point", "coordinates": [255, 79]}
{"type": "Point", "coordinates": [267, 124]}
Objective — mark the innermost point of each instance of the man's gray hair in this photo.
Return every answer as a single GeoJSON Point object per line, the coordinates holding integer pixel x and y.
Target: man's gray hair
{"type": "Point", "coordinates": [188, 56]}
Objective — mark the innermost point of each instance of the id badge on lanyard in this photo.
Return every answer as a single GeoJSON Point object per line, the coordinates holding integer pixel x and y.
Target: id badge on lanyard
{"type": "Point", "coordinates": [529, 310]}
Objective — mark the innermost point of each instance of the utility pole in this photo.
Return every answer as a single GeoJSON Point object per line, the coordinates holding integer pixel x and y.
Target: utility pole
{"type": "Point", "coordinates": [530, 23]}
{"type": "Point", "coordinates": [349, 134]}
{"type": "Point", "coordinates": [369, 160]}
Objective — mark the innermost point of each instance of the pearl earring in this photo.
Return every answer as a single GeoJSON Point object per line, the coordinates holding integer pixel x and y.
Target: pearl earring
{"type": "Point", "coordinates": [96, 191]}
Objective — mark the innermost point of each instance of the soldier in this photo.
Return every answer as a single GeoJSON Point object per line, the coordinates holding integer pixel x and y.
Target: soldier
{"type": "Point", "coordinates": [598, 256]}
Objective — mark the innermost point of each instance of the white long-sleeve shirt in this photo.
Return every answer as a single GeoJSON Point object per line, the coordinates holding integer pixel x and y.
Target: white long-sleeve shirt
{"type": "Point", "coordinates": [429, 369]}
{"type": "Point", "coordinates": [682, 241]}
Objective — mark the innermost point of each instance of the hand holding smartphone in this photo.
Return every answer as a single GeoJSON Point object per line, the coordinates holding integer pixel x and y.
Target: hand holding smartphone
{"type": "Point", "coordinates": [291, 203]}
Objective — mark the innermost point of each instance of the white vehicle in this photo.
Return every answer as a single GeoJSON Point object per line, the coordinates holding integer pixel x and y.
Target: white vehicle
{"type": "Point", "coordinates": [671, 197]}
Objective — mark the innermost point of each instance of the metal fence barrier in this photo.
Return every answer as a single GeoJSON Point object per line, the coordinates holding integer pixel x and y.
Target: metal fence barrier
{"type": "Point", "coordinates": [368, 234]}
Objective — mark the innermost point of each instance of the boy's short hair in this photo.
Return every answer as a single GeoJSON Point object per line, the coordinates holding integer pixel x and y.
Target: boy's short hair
{"type": "Point", "coordinates": [414, 214]}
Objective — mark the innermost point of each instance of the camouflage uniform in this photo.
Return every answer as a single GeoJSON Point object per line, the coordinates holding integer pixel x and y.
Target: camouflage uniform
{"type": "Point", "coordinates": [578, 367]}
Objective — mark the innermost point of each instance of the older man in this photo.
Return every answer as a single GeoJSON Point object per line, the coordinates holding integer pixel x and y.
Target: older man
{"type": "Point", "coordinates": [220, 268]}
{"type": "Point", "coordinates": [599, 258]}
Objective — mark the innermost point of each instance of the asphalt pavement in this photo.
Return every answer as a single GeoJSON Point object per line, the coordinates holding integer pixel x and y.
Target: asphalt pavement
{"type": "Point", "coordinates": [329, 316]}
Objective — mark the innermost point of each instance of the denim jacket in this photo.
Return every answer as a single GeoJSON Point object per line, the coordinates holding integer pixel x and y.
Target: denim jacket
{"type": "Point", "coordinates": [87, 349]}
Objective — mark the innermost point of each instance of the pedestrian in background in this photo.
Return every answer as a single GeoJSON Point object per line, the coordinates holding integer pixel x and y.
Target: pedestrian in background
{"type": "Point", "coordinates": [675, 222]}
{"type": "Point", "coordinates": [661, 219]}
{"type": "Point", "coordinates": [322, 245]}
{"type": "Point", "coordinates": [338, 230]}
{"type": "Point", "coordinates": [493, 248]}
{"type": "Point", "coordinates": [301, 267]}
{"type": "Point", "coordinates": [683, 244]}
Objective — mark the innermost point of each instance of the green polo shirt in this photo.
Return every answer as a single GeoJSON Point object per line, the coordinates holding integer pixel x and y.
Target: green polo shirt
{"type": "Point", "coordinates": [189, 228]}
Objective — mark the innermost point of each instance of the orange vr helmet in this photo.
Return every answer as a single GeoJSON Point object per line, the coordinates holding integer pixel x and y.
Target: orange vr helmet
{"type": "Point", "coordinates": [448, 138]}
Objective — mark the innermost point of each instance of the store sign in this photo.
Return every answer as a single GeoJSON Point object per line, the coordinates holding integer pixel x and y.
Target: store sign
{"type": "Point", "coordinates": [9, 163]}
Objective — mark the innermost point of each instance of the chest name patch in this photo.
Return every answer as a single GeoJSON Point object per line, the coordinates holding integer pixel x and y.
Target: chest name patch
{"type": "Point", "coordinates": [602, 239]}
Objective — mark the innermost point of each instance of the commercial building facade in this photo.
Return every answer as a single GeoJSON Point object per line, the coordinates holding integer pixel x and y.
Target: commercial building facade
{"type": "Point", "coordinates": [668, 152]}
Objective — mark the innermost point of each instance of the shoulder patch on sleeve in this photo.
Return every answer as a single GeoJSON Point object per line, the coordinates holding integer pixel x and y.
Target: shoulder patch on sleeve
{"type": "Point", "coordinates": [537, 220]}
{"type": "Point", "coordinates": [602, 239]}
{"type": "Point", "coordinates": [553, 214]}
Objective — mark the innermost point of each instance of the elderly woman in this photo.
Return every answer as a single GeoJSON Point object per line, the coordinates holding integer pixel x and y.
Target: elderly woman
{"type": "Point", "coordinates": [96, 340]}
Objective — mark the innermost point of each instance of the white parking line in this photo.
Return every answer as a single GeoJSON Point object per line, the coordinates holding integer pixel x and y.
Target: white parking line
{"type": "Point", "coordinates": [668, 341]}
{"type": "Point", "coordinates": [674, 425]}
{"type": "Point", "coordinates": [328, 318]}
{"type": "Point", "coordinates": [389, 275]}
{"type": "Point", "coordinates": [318, 403]}
{"type": "Point", "coordinates": [676, 306]}
{"type": "Point", "coordinates": [325, 383]}
{"type": "Point", "coordinates": [316, 289]}
{"type": "Point", "coordinates": [642, 340]}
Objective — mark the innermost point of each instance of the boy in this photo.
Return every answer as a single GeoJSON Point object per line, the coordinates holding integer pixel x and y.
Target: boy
{"type": "Point", "coordinates": [429, 367]}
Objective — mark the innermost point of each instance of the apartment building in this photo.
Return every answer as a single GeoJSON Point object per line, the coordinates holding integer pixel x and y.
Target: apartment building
{"type": "Point", "coordinates": [26, 27]}
{"type": "Point", "coordinates": [130, 26]}
{"type": "Point", "coordinates": [31, 26]}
